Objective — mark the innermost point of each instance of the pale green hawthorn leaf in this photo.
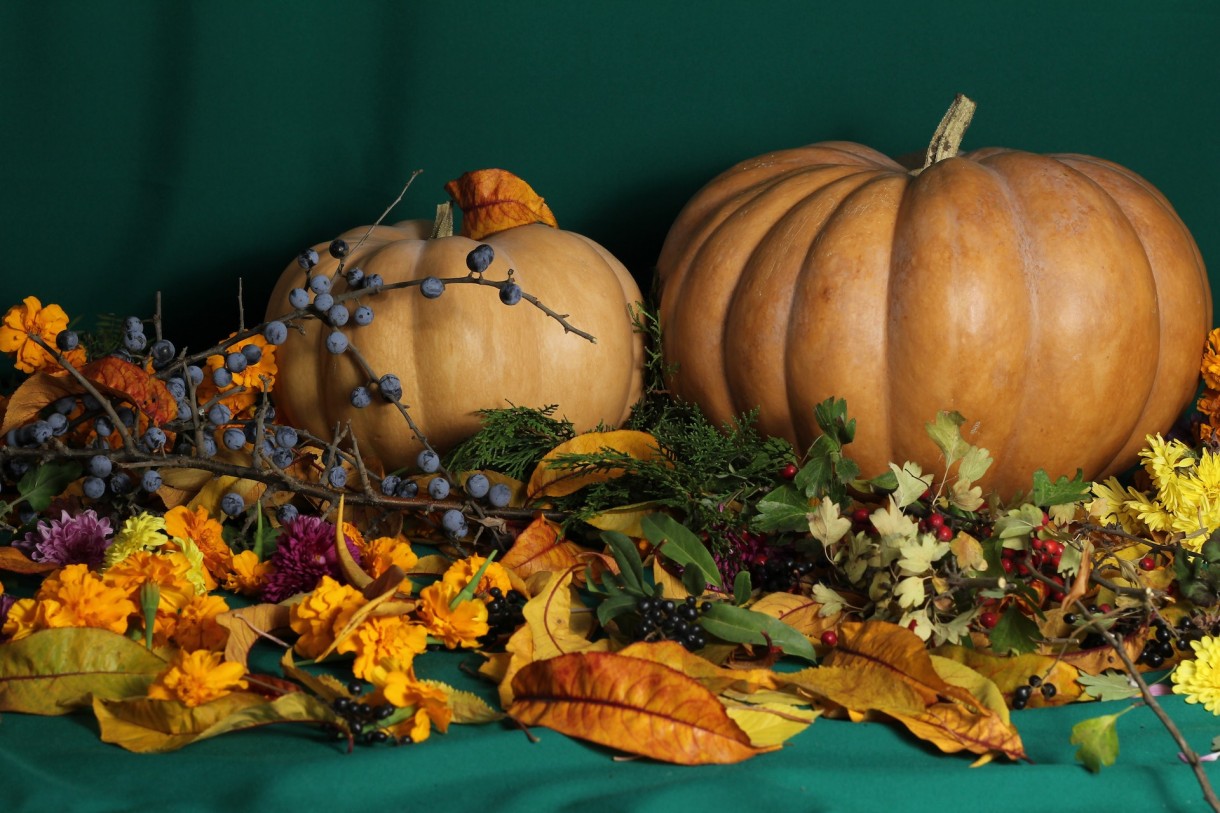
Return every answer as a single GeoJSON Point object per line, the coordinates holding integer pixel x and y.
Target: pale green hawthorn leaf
{"type": "Point", "coordinates": [832, 603]}
{"type": "Point", "coordinates": [1062, 513]}
{"type": "Point", "coordinates": [1108, 686]}
{"type": "Point", "coordinates": [946, 433]}
{"type": "Point", "coordinates": [918, 622]}
{"type": "Point", "coordinates": [826, 524]}
{"type": "Point", "coordinates": [1069, 560]}
{"type": "Point", "coordinates": [861, 551]}
{"type": "Point", "coordinates": [953, 630]}
{"type": "Point", "coordinates": [912, 483]}
{"type": "Point", "coordinates": [893, 527]}
{"type": "Point", "coordinates": [965, 496]}
{"type": "Point", "coordinates": [1019, 522]}
{"type": "Point", "coordinates": [918, 554]}
{"type": "Point", "coordinates": [881, 586]}
{"type": "Point", "coordinates": [975, 463]}
{"type": "Point", "coordinates": [910, 592]}
{"type": "Point", "coordinates": [1098, 740]}
{"type": "Point", "coordinates": [1062, 490]}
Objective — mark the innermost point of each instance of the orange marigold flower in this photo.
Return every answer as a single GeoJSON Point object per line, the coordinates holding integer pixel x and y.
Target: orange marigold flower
{"type": "Point", "coordinates": [322, 614]}
{"type": "Point", "coordinates": [254, 379]}
{"type": "Point", "coordinates": [431, 702]}
{"type": "Point", "coordinates": [74, 596]}
{"type": "Point", "coordinates": [246, 574]}
{"type": "Point", "coordinates": [384, 552]}
{"type": "Point", "coordinates": [461, 626]}
{"type": "Point", "coordinates": [391, 641]}
{"type": "Point", "coordinates": [198, 677]}
{"type": "Point", "coordinates": [28, 319]}
{"type": "Point", "coordinates": [168, 570]}
{"type": "Point", "coordinates": [200, 528]}
{"type": "Point", "coordinates": [196, 626]}
{"type": "Point", "coordinates": [1210, 367]}
{"type": "Point", "coordinates": [462, 571]}
{"type": "Point", "coordinates": [25, 617]}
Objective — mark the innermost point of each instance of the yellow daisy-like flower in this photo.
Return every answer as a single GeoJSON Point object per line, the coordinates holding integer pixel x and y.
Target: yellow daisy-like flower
{"type": "Point", "coordinates": [384, 552]}
{"type": "Point", "coordinates": [459, 627]}
{"type": "Point", "coordinates": [143, 531]}
{"type": "Point", "coordinates": [1210, 366]}
{"type": "Point", "coordinates": [322, 614]}
{"type": "Point", "coordinates": [74, 596]}
{"type": "Point", "coordinates": [462, 571]}
{"type": "Point", "coordinates": [195, 678]}
{"type": "Point", "coordinates": [199, 527]}
{"type": "Point", "coordinates": [1166, 461]}
{"type": "Point", "coordinates": [196, 626]}
{"type": "Point", "coordinates": [391, 641]}
{"type": "Point", "coordinates": [401, 689]}
{"type": "Point", "coordinates": [28, 319]}
{"type": "Point", "coordinates": [1110, 505]}
{"type": "Point", "coordinates": [254, 379]}
{"type": "Point", "coordinates": [246, 574]}
{"type": "Point", "coordinates": [1199, 679]}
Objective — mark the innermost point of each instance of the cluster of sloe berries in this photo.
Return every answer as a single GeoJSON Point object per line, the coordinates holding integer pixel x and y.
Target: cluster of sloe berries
{"type": "Point", "coordinates": [668, 620]}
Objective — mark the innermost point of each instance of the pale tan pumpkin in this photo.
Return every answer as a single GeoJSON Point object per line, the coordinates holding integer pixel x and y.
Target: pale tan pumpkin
{"type": "Point", "coordinates": [1057, 302]}
{"type": "Point", "coordinates": [466, 350]}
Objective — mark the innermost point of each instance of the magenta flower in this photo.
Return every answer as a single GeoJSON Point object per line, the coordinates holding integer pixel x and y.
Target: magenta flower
{"type": "Point", "coordinates": [304, 554]}
{"type": "Point", "coordinates": [69, 540]}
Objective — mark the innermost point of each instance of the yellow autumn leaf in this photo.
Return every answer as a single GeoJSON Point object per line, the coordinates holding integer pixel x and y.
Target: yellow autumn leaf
{"type": "Point", "coordinates": [541, 547]}
{"type": "Point", "coordinates": [626, 519]}
{"type": "Point", "coordinates": [770, 724]}
{"type": "Point", "coordinates": [802, 613]}
{"type": "Point", "coordinates": [551, 479]}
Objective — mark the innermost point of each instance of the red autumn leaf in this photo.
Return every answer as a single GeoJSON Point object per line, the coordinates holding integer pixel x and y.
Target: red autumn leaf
{"type": "Point", "coordinates": [630, 704]}
{"type": "Point", "coordinates": [127, 381]}
{"type": "Point", "coordinates": [495, 200]}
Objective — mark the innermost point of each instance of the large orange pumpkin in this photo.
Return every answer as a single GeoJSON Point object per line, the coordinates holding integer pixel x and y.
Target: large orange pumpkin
{"type": "Point", "coordinates": [1056, 301]}
{"type": "Point", "coordinates": [466, 350]}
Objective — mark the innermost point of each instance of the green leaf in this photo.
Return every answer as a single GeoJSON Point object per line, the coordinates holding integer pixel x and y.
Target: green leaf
{"type": "Point", "coordinates": [46, 481]}
{"type": "Point", "coordinates": [1098, 740]}
{"type": "Point", "coordinates": [975, 463]}
{"type": "Point", "coordinates": [784, 509]}
{"type": "Point", "coordinates": [912, 483]}
{"type": "Point", "coordinates": [1061, 491]}
{"type": "Point", "coordinates": [946, 433]}
{"type": "Point", "coordinates": [831, 416]}
{"type": "Point", "coordinates": [818, 473]}
{"type": "Point", "coordinates": [631, 568]}
{"type": "Point", "coordinates": [1016, 633]}
{"type": "Point", "coordinates": [57, 670]}
{"type": "Point", "coordinates": [742, 587]}
{"type": "Point", "coordinates": [741, 626]}
{"type": "Point", "coordinates": [1110, 686]}
{"type": "Point", "coordinates": [614, 606]}
{"type": "Point", "coordinates": [676, 542]}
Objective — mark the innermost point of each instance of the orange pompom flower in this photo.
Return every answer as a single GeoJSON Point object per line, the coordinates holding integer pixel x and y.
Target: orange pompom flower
{"type": "Point", "coordinates": [460, 626]}
{"type": "Point", "coordinates": [195, 678]}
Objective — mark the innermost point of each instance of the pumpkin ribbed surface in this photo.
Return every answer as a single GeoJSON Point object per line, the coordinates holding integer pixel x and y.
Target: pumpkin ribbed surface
{"type": "Point", "coordinates": [1057, 302]}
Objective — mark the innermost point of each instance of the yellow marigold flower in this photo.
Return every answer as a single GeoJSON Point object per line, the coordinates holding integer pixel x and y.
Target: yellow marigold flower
{"type": "Point", "coordinates": [144, 531]}
{"type": "Point", "coordinates": [195, 678]}
{"type": "Point", "coordinates": [76, 597]}
{"type": "Point", "coordinates": [322, 614]}
{"type": "Point", "coordinates": [384, 552]}
{"type": "Point", "coordinates": [196, 626]}
{"type": "Point", "coordinates": [28, 319]}
{"type": "Point", "coordinates": [25, 617]}
{"type": "Point", "coordinates": [199, 527]}
{"type": "Point", "coordinates": [462, 571]}
{"type": "Point", "coordinates": [255, 378]}
{"type": "Point", "coordinates": [391, 641]}
{"type": "Point", "coordinates": [461, 626]}
{"type": "Point", "coordinates": [1210, 367]}
{"type": "Point", "coordinates": [430, 701]}
{"type": "Point", "coordinates": [246, 574]}
{"type": "Point", "coordinates": [1199, 679]}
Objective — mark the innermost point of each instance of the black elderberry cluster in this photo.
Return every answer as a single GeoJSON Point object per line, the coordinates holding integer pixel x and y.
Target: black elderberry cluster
{"type": "Point", "coordinates": [504, 615]}
{"type": "Point", "coordinates": [1022, 694]}
{"type": "Point", "coordinates": [668, 620]}
{"type": "Point", "coordinates": [363, 719]}
{"type": "Point", "coordinates": [779, 572]}
{"type": "Point", "coordinates": [1160, 647]}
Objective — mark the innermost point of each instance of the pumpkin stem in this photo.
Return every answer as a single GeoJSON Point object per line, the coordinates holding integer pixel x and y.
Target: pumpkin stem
{"type": "Point", "coordinates": [949, 133]}
{"type": "Point", "coordinates": [443, 225]}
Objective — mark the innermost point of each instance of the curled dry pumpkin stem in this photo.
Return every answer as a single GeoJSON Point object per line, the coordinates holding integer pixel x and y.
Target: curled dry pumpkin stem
{"type": "Point", "coordinates": [947, 139]}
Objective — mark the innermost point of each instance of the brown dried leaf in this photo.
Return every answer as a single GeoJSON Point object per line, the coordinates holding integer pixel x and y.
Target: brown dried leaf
{"type": "Point", "coordinates": [540, 548]}
{"type": "Point", "coordinates": [550, 480]}
{"type": "Point", "coordinates": [636, 706]}
{"type": "Point", "coordinates": [14, 561]}
{"type": "Point", "coordinates": [495, 200]}
{"type": "Point", "coordinates": [126, 381]}
{"type": "Point", "coordinates": [36, 392]}
{"type": "Point", "coordinates": [248, 624]}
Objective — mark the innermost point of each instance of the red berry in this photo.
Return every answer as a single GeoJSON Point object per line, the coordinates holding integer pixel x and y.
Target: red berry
{"type": "Point", "coordinates": [860, 515]}
{"type": "Point", "coordinates": [936, 520]}
{"type": "Point", "coordinates": [944, 533]}
{"type": "Point", "coordinates": [830, 638]}
{"type": "Point", "coordinates": [1036, 543]}
{"type": "Point", "coordinates": [789, 471]}
{"type": "Point", "coordinates": [989, 619]}
{"type": "Point", "coordinates": [1008, 565]}
{"type": "Point", "coordinates": [1147, 563]}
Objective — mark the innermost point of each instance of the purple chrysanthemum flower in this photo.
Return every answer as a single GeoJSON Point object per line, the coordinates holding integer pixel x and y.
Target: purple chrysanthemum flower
{"type": "Point", "coordinates": [69, 540]}
{"type": "Point", "coordinates": [304, 554]}
{"type": "Point", "coordinates": [6, 603]}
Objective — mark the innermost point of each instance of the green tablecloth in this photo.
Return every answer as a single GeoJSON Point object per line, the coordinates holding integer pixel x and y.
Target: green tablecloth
{"type": "Point", "coordinates": [58, 764]}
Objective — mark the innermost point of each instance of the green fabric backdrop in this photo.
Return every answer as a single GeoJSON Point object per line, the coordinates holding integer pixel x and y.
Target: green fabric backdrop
{"type": "Point", "coordinates": [182, 147]}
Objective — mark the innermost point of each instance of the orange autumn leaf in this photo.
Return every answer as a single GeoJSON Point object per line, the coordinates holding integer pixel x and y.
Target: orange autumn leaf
{"type": "Point", "coordinates": [125, 380]}
{"type": "Point", "coordinates": [632, 705]}
{"type": "Point", "coordinates": [35, 393]}
{"type": "Point", "coordinates": [495, 200]}
{"type": "Point", "coordinates": [14, 561]}
{"type": "Point", "coordinates": [539, 548]}
{"type": "Point", "coordinates": [799, 612]}
{"type": "Point", "coordinates": [553, 479]}
{"type": "Point", "coordinates": [716, 679]}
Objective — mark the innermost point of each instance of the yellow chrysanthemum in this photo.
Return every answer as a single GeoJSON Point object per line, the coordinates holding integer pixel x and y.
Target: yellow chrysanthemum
{"type": "Point", "coordinates": [254, 379]}
{"type": "Point", "coordinates": [390, 641]}
{"type": "Point", "coordinates": [322, 614]}
{"type": "Point", "coordinates": [199, 527]}
{"type": "Point", "coordinates": [196, 626]}
{"type": "Point", "coordinates": [74, 596]}
{"type": "Point", "coordinates": [195, 678]}
{"type": "Point", "coordinates": [430, 701]}
{"type": "Point", "coordinates": [246, 574]}
{"type": "Point", "coordinates": [28, 319]}
{"type": "Point", "coordinates": [1199, 679]}
{"type": "Point", "coordinates": [384, 552]}
{"type": "Point", "coordinates": [1110, 506]}
{"type": "Point", "coordinates": [1210, 366]}
{"type": "Point", "coordinates": [459, 627]}
{"type": "Point", "coordinates": [143, 531]}
{"type": "Point", "coordinates": [462, 571]}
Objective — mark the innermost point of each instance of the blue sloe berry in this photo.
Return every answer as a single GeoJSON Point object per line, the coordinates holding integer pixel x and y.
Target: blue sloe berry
{"type": "Point", "coordinates": [208, 447]}
{"type": "Point", "coordinates": [480, 257]}
{"type": "Point", "coordinates": [219, 414]}
{"type": "Point", "coordinates": [64, 405]}
{"type": "Point", "coordinates": [438, 488]}
{"type": "Point", "coordinates": [135, 342]}
{"type": "Point", "coordinates": [232, 504]}
{"type": "Point", "coordinates": [338, 314]}
{"type": "Point", "coordinates": [319, 284]}
{"type": "Point", "coordinates": [162, 352]}
{"type": "Point", "coordinates": [102, 426]}
{"type": "Point", "coordinates": [58, 422]}
{"type": "Point", "coordinates": [236, 361]}
{"type": "Point", "coordinates": [285, 437]}
{"type": "Point", "coordinates": [338, 248]}
{"type": "Point", "coordinates": [184, 409]}
{"type": "Point", "coordinates": [151, 481]}
{"type": "Point", "coordinates": [323, 302]}
{"type": "Point", "coordinates": [389, 484]}
{"type": "Point", "coordinates": [94, 487]}
{"type": "Point", "coordinates": [286, 513]}
{"type": "Point", "coordinates": [298, 298]}
{"type": "Point", "coordinates": [363, 315]}
{"type": "Point", "coordinates": [360, 397]}
{"type": "Point", "coordinates": [154, 438]}
{"type": "Point", "coordinates": [282, 457]}
{"type": "Point", "coordinates": [275, 332]}
{"type": "Point", "coordinates": [390, 387]}
{"type": "Point", "coordinates": [252, 352]}
{"type": "Point", "coordinates": [40, 432]}
{"type": "Point", "coordinates": [307, 259]}
{"type": "Point", "coordinates": [221, 378]}
{"type": "Point", "coordinates": [336, 342]}
{"type": "Point", "coordinates": [336, 476]}
{"type": "Point", "coordinates": [510, 294]}
{"type": "Point", "coordinates": [477, 485]}
{"type": "Point", "coordinates": [499, 495]}
{"type": "Point", "coordinates": [67, 340]}
{"type": "Point", "coordinates": [176, 387]}
{"type": "Point", "coordinates": [194, 374]}
{"type": "Point", "coordinates": [373, 282]}
{"type": "Point", "coordinates": [354, 276]}
{"type": "Point", "coordinates": [406, 489]}
{"type": "Point", "coordinates": [431, 287]}
{"type": "Point", "coordinates": [133, 324]}
{"type": "Point", "coordinates": [120, 482]}
{"type": "Point", "coordinates": [428, 461]}
{"type": "Point", "coordinates": [454, 523]}
{"type": "Point", "coordinates": [233, 438]}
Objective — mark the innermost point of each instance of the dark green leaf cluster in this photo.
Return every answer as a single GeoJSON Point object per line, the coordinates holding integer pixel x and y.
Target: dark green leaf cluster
{"type": "Point", "coordinates": [512, 441]}
{"type": "Point", "coordinates": [1198, 575]}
